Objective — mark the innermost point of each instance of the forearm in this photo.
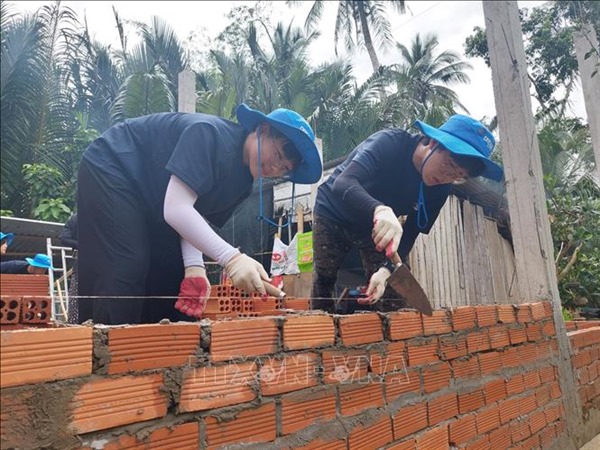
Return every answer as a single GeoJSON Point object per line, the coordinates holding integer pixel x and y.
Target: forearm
{"type": "Point", "coordinates": [349, 189]}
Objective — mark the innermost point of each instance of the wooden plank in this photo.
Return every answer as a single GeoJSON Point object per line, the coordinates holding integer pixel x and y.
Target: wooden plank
{"type": "Point", "coordinates": [462, 277]}
{"type": "Point", "coordinates": [186, 98]}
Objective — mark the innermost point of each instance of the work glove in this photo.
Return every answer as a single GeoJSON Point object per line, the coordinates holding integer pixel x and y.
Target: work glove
{"type": "Point", "coordinates": [193, 292]}
{"type": "Point", "coordinates": [387, 230]}
{"type": "Point", "coordinates": [247, 274]}
{"type": "Point", "coordinates": [377, 285]}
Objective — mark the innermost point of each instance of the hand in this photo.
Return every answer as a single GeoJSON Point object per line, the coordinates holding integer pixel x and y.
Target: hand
{"type": "Point", "coordinates": [247, 274]}
{"type": "Point", "coordinates": [387, 230]}
{"type": "Point", "coordinates": [193, 292]}
{"type": "Point", "coordinates": [377, 285]}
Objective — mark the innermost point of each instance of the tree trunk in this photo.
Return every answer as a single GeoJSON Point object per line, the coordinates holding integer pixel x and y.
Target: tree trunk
{"type": "Point", "coordinates": [364, 25]}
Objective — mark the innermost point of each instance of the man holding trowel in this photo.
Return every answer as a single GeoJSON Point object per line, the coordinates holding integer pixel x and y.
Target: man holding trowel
{"type": "Point", "coordinates": [148, 189]}
{"type": "Point", "coordinates": [392, 173]}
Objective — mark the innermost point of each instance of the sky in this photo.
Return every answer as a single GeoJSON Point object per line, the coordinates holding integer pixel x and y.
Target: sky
{"type": "Point", "coordinates": [452, 21]}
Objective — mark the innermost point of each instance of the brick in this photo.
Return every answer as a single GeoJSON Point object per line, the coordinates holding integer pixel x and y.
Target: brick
{"type": "Point", "coordinates": [538, 311]}
{"type": "Point", "coordinates": [436, 377]}
{"type": "Point", "coordinates": [534, 332]}
{"type": "Point", "coordinates": [470, 401]}
{"type": "Point", "coordinates": [217, 305]}
{"type": "Point", "coordinates": [519, 430]}
{"type": "Point", "coordinates": [547, 436]}
{"type": "Point", "coordinates": [301, 409]}
{"type": "Point", "coordinates": [298, 304]}
{"type": "Point", "coordinates": [547, 374]}
{"type": "Point", "coordinates": [517, 335]}
{"type": "Point", "coordinates": [531, 442]}
{"type": "Point", "coordinates": [374, 435]}
{"type": "Point", "coordinates": [409, 420]}
{"type": "Point", "coordinates": [494, 391]}
{"type": "Point", "coordinates": [537, 421]}
{"type": "Point", "coordinates": [391, 359]}
{"type": "Point", "coordinates": [582, 358]}
{"type": "Point", "coordinates": [213, 387]}
{"type": "Point", "coordinates": [466, 368]}
{"type": "Point", "coordinates": [528, 353]}
{"type": "Point", "coordinates": [527, 404]}
{"type": "Point", "coordinates": [434, 438]}
{"type": "Point", "coordinates": [108, 403]}
{"type": "Point", "coordinates": [291, 373]}
{"type": "Point", "coordinates": [359, 329]}
{"type": "Point", "coordinates": [515, 385]}
{"type": "Point", "coordinates": [487, 419]}
{"type": "Point", "coordinates": [47, 354]}
{"type": "Point", "coordinates": [500, 438]}
{"type": "Point", "coordinates": [404, 325]}
{"type": "Point", "coordinates": [509, 410]}
{"type": "Point", "coordinates": [531, 380]}
{"type": "Point", "coordinates": [486, 315]}
{"type": "Point", "coordinates": [248, 426]}
{"type": "Point", "coordinates": [243, 338]}
{"type": "Point", "coordinates": [543, 395]}
{"type": "Point", "coordinates": [499, 337]}
{"type": "Point", "coordinates": [180, 437]}
{"type": "Point", "coordinates": [438, 323]}
{"type": "Point", "coordinates": [490, 362]}
{"type": "Point", "coordinates": [344, 366]}
{"type": "Point", "coordinates": [10, 310]}
{"type": "Point", "coordinates": [452, 347]}
{"type": "Point", "coordinates": [139, 347]}
{"type": "Point", "coordinates": [313, 331]}
{"type": "Point", "coordinates": [463, 318]}
{"type": "Point", "coordinates": [220, 290]}
{"type": "Point", "coordinates": [322, 444]}
{"type": "Point", "coordinates": [524, 313]}
{"type": "Point", "coordinates": [422, 352]}
{"type": "Point", "coordinates": [478, 341]}
{"type": "Point", "coordinates": [510, 357]}
{"type": "Point", "coordinates": [552, 413]}
{"type": "Point", "coordinates": [442, 408]}
{"type": "Point", "coordinates": [548, 330]}
{"type": "Point", "coordinates": [560, 428]}
{"type": "Point", "coordinates": [36, 309]}
{"type": "Point", "coordinates": [555, 390]}
{"type": "Point", "coordinates": [408, 444]}
{"type": "Point", "coordinates": [266, 304]}
{"type": "Point", "coordinates": [402, 383]}
{"type": "Point", "coordinates": [462, 430]}
{"type": "Point", "coordinates": [481, 443]}
{"type": "Point", "coordinates": [506, 314]}
{"type": "Point", "coordinates": [356, 398]}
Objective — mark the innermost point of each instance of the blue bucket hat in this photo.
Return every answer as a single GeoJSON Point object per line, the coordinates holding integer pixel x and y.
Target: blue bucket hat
{"type": "Point", "coordinates": [463, 135]}
{"type": "Point", "coordinates": [293, 126]}
{"type": "Point", "coordinates": [8, 236]}
{"type": "Point", "coordinates": [40, 260]}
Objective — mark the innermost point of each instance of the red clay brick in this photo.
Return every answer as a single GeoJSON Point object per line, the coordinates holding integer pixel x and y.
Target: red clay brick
{"type": "Point", "coordinates": [478, 341]}
{"type": "Point", "coordinates": [344, 366]}
{"type": "Point", "coordinates": [463, 318]}
{"type": "Point", "coordinates": [108, 403]}
{"type": "Point", "coordinates": [509, 410]}
{"type": "Point", "coordinates": [374, 435]}
{"type": "Point", "coordinates": [38, 355]}
{"type": "Point", "coordinates": [409, 420]}
{"type": "Point", "coordinates": [408, 444]}
{"type": "Point", "coordinates": [555, 390]}
{"type": "Point", "coordinates": [391, 359]}
{"type": "Point", "coordinates": [524, 313]}
{"type": "Point", "coordinates": [466, 367]}
{"type": "Point", "coordinates": [322, 444]}
{"type": "Point", "coordinates": [510, 357]}
{"type": "Point", "coordinates": [213, 387]}
{"type": "Point", "coordinates": [36, 309]}
{"type": "Point", "coordinates": [404, 325]}
{"type": "Point", "coordinates": [402, 383]}
{"type": "Point", "coordinates": [486, 315]}
{"type": "Point", "coordinates": [500, 438]}
{"type": "Point", "coordinates": [543, 395]}
{"type": "Point", "coordinates": [531, 380]}
{"type": "Point", "coordinates": [251, 425]}
{"type": "Point", "coordinates": [547, 374]}
{"type": "Point", "coordinates": [359, 329]}
{"type": "Point", "coordinates": [537, 421]}
{"type": "Point", "coordinates": [481, 443]}
{"type": "Point", "coordinates": [487, 419]}
{"type": "Point", "coordinates": [452, 347]}
{"type": "Point", "coordinates": [422, 352]}
{"type": "Point", "coordinates": [547, 436]}
{"type": "Point", "coordinates": [301, 332]}
{"type": "Point", "coordinates": [442, 408]}
{"type": "Point", "coordinates": [298, 304]}
{"type": "Point", "coordinates": [517, 335]}
{"type": "Point", "coordinates": [499, 337]}
{"type": "Point", "coordinates": [470, 401]}
{"type": "Point", "coordinates": [180, 437]}
{"type": "Point", "coordinates": [462, 430]}
{"type": "Point", "coordinates": [436, 377]}
{"type": "Point", "coordinates": [356, 398]}
{"type": "Point", "coordinates": [515, 385]}
{"type": "Point", "coordinates": [243, 338]}
{"type": "Point", "coordinates": [490, 362]}
{"type": "Point", "coordinates": [527, 404]}
{"type": "Point", "coordinates": [434, 438]}
{"type": "Point", "coordinates": [494, 391]}
{"type": "Point", "coordinates": [140, 347]}
{"type": "Point", "coordinates": [560, 428]}
{"type": "Point", "coordinates": [538, 311]}
{"type": "Point", "coordinates": [301, 409]}
{"type": "Point", "coordinates": [519, 430]}
{"type": "Point", "coordinates": [506, 314]}
{"type": "Point", "coordinates": [10, 310]}
{"type": "Point", "coordinates": [531, 442]}
{"type": "Point", "coordinates": [288, 374]}
{"type": "Point", "coordinates": [438, 323]}
{"type": "Point", "coordinates": [553, 413]}
{"type": "Point", "coordinates": [534, 332]}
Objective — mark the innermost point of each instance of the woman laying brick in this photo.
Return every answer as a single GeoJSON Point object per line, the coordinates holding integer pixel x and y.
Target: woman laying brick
{"type": "Point", "coordinates": [392, 173]}
{"type": "Point", "coordinates": [149, 188]}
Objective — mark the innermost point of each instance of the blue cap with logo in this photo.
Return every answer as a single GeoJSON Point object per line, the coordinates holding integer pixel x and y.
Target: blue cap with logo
{"type": "Point", "coordinates": [463, 135]}
{"type": "Point", "coordinates": [293, 126]}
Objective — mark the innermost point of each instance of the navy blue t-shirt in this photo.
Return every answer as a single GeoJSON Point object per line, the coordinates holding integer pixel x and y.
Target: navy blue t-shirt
{"type": "Point", "coordinates": [390, 177]}
{"type": "Point", "coordinates": [204, 151]}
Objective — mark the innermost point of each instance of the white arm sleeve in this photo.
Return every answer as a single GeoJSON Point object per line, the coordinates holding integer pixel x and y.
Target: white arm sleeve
{"type": "Point", "coordinates": [179, 212]}
{"type": "Point", "coordinates": [191, 255]}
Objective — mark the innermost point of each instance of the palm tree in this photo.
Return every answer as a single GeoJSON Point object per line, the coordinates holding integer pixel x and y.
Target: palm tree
{"type": "Point", "coordinates": [356, 22]}
{"type": "Point", "coordinates": [422, 79]}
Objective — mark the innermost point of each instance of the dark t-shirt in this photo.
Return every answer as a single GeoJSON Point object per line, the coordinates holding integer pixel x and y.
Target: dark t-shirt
{"type": "Point", "coordinates": [205, 152]}
{"type": "Point", "coordinates": [390, 177]}
{"type": "Point", "coordinates": [14, 267]}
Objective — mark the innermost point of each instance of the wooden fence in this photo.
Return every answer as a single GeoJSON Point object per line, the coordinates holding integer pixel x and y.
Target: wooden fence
{"type": "Point", "coordinates": [464, 260]}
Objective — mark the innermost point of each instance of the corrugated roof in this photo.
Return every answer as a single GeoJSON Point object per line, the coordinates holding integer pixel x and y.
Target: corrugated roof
{"type": "Point", "coordinates": [30, 236]}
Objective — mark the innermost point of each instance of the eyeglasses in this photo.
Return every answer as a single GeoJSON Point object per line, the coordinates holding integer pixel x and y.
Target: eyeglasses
{"type": "Point", "coordinates": [280, 162]}
{"type": "Point", "coordinates": [449, 169]}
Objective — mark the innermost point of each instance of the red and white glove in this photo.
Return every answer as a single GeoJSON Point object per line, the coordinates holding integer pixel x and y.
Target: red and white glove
{"type": "Point", "coordinates": [193, 292]}
{"type": "Point", "coordinates": [387, 230]}
{"type": "Point", "coordinates": [377, 285]}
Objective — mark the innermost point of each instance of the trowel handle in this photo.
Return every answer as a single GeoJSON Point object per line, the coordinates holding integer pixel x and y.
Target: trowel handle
{"type": "Point", "coordinates": [273, 291]}
{"type": "Point", "coordinates": [396, 259]}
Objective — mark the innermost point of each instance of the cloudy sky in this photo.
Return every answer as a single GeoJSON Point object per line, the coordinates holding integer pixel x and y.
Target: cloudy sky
{"type": "Point", "coordinates": [452, 21]}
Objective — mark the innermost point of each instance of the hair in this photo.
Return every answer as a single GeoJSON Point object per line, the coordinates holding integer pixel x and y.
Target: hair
{"type": "Point", "coordinates": [473, 165]}
{"type": "Point", "coordinates": [289, 150]}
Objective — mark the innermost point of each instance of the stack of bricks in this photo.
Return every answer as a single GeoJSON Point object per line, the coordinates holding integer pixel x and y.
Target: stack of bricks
{"type": "Point", "coordinates": [24, 300]}
{"type": "Point", "coordinates": [227, 301]}
{"type": "Point", "coordinates": [474, 377]}
{"type": "Point", "coordinates": [586, 362]}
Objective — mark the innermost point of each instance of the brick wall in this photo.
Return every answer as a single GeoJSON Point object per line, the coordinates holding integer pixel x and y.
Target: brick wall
{"type": "Point", "coordinates": [475, 377]}
{"type": "Point", "coordinates": [586, 363]}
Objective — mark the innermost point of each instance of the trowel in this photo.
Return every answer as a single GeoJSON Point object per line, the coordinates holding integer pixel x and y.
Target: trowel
{"type": "Point", "coordinates": [407, 286]}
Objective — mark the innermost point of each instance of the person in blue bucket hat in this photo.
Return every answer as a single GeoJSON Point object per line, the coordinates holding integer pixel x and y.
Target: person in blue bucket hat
{"type": "Point", "coordinates": [149, 191]}
{"type": "Point", "coordinates": [38, 265]}
{"type": "Point", "coordinates": [5, 240]}
{"type": "Point", "coordinates": [392, 173]}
